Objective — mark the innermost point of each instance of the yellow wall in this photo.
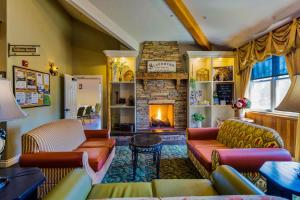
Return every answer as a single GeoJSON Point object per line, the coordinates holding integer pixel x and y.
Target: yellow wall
{"type": "Point", "coordinates": [88, 57]}
{"type": "Point", "coordinates": [44, 23]}
{"type": "Point", "coordinates": [3, 35]}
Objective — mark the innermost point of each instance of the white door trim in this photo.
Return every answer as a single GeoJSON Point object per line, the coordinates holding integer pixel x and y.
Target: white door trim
{"type": "Point", "coordinates": [100, 77]}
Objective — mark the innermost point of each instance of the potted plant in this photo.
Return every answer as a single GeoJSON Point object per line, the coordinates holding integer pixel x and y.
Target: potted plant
{"type": "Point", "coordinates": [198, 118]}
{"type": "Point", "coordinates": [240, 105]}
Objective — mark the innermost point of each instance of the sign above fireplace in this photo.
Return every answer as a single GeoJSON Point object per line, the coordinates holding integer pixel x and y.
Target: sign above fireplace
{"type": "Point", "coordinates": [161, 66]}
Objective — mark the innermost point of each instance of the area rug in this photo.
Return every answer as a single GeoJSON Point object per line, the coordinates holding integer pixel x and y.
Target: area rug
{"type": "Point", "coordinates": [174, 165]}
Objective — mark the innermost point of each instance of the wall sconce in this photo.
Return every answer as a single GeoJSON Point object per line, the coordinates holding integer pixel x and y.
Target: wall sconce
{"type": "Point", "coordinates": [53, 69]}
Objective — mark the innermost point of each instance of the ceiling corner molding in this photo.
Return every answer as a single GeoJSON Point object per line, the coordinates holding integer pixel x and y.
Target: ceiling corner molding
{"type": "Point", "coordinates": [187, 19]}
{"type": "Point", "coordinates": [103, 21]}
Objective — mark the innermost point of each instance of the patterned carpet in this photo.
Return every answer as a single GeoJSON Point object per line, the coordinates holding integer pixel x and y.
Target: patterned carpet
{"type": "Point", "coordinates": [174, 165]}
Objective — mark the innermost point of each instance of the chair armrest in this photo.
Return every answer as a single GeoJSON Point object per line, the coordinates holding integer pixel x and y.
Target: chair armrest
{"type": "Point", "coordinates": [52, 160]}
{"type": "Point", "coordinates": [249, 159]}
{"type": "Point", "coordinates": [103, 133]}
{"type": "Point", "coordinates": [202, 133]}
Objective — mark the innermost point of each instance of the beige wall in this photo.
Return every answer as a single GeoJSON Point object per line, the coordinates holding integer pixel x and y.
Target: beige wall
{"type": "Point", "coordinates": [88, 57]}
{"type": "Point", "coordinates": [46, 24]}
{"type": "Point", "coordinates": [3, 49]}
{"type": "Point", "coordinates": [91, 88]}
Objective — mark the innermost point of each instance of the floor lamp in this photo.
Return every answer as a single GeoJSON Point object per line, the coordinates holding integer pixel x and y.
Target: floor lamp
{"type": "Point", "coordinates": [9, 110]}
{"type": "Point", "coordinates": [291, 103]}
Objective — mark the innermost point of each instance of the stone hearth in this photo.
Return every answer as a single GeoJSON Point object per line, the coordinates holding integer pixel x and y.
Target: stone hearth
{"type": "Point", "coordinates": [161, 90]}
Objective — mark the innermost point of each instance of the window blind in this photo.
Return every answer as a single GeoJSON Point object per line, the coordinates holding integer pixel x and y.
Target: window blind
{"type": "Point", "coordinates": [271, 67]}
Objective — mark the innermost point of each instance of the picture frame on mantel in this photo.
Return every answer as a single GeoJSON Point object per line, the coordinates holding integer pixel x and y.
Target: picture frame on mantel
{"type": "Point", "coordinates": [161, 66]}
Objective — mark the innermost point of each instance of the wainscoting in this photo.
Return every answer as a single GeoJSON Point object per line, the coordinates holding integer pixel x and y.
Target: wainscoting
{"type": "Point", "coordinates": [284, 125]}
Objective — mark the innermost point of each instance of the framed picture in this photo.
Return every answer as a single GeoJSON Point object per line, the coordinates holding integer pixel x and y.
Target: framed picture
{"type": "Point", "coordinates": [2, 74]}
{"type": "Point", "coordinates": [31, 87]}
{"type": "Point", "coordinates": [223, 73]}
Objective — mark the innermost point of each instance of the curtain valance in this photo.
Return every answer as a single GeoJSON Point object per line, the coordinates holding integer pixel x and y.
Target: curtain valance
{"type": "Point", "coordinates": [280, 41]}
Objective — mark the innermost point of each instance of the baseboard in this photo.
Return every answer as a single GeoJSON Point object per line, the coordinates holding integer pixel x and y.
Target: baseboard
{"type": "Point", "coordinates": [9, 162]}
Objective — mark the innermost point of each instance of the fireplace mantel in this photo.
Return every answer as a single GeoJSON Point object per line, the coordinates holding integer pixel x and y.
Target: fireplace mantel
{"type": "Point", "coordinates": [161, 101]}
{"type": "Point", "coordinates": [144, 76]}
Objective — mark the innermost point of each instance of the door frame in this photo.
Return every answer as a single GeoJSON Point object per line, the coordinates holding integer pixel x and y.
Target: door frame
{"type": "Point", "coordinates": [100, 77]}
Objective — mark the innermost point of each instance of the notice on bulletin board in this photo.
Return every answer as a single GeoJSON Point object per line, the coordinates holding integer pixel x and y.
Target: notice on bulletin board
{"type": "Point", "coordinates": [31, 88]}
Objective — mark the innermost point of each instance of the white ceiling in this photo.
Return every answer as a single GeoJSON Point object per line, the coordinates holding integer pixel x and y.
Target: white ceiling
{"type": "Point", "coordinates": [233, 22]}
{"type": "Point", "coordinates": [228, 23]}
{"type": "Point", "coordinates": [145, 20]}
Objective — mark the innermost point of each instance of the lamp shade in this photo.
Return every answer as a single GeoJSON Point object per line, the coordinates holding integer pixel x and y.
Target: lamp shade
{"type": "Point", "coordinates": [291, 102]}
{"type": "Point", "coordinates": [9, 109]}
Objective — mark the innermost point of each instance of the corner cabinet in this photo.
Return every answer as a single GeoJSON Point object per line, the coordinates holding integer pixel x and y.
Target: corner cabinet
{"type": "Point", "coordinates": [121, 91]}
{"type": "Point", "coordinates": [211, 86]}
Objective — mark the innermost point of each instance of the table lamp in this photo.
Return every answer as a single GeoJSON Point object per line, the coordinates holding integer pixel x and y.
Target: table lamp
{"type": "Point", "coordinates": [9, 109]}
{"type": "Point", "coordinates": [291, 103]}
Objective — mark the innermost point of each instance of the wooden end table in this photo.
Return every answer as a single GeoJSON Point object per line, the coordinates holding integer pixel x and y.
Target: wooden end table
{"type": "Point", "coordinates": [146, 144]}
{"type": "Point", "coordinates": [282, 178]}
{"type": "Point", "coordinates": [23, 183]}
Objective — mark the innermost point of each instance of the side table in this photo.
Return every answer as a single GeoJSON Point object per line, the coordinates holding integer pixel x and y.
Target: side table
{"type": "Point", "coordinates": [146, 144]}
{"type": "Point", "coordinates": [282, 178]}
{"type": "Point", "coordinates": [23, 183]}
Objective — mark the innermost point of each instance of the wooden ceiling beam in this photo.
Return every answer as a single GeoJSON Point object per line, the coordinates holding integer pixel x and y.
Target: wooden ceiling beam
{"type": "Point", "coordinates": [186, 18]}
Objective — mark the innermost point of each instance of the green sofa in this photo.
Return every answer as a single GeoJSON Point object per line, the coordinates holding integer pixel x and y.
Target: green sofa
{"type": "Point", "coordinates": [224, 181]}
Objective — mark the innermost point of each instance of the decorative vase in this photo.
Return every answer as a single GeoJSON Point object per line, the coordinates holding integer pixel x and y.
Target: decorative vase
{"type": "Point", "coordinates": [199, 124]}
{"type": "Point", "coordinates": [114, 73]}
{"type": "Point", "coordinates": [241, 113]}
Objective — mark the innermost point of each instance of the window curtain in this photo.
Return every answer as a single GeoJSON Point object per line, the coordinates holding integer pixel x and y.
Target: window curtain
{"type": "Point", "coordinates": [282, 41]}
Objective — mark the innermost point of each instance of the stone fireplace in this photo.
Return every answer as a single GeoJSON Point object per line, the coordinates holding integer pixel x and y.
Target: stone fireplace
{"type": "Point", "coordinates": [161, 114]}
{"type": "Point", "coordinates": [162, 104]}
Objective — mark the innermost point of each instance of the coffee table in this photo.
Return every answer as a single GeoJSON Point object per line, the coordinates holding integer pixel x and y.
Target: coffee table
{"type": "Point", "coordinates": [146, 144]}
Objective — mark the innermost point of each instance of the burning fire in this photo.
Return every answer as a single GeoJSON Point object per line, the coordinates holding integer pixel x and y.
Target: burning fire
{"type": "Point", "coordinates": [158, 115]}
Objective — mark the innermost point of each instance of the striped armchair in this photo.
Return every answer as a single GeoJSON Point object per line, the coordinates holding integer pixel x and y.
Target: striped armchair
{"type": "Point", "coordinates": [61, 146]}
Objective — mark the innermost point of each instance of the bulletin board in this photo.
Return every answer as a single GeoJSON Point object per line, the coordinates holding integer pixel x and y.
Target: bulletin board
{"type": "Point", "coordinates": [31, 87]}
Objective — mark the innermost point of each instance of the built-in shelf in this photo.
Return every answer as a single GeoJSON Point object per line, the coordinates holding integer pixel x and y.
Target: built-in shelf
{"type": "Point", "coordinates": [123, 82]}
{"type": "Point", "coordinates": [121, 106]}
{"type": "Point", "coordinates": [121, 92]}
{"type": "Point", "coordinates": [203, 68]}
{"type": "Point", "coordinates": [203, 81]}
{"type": "Point", "coordinates": [199, 106]}
{"type": "Point", "coordinates": [222, 105]}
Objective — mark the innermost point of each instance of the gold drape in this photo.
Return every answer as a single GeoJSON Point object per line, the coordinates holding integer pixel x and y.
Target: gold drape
{"type": "Point", "coordinates": [245, 79]}
{"type": "Point", "coordinates": [282, 41]}
{"type": "Point", "coordinates": [293, 62]}
{"type": "Point", "coordinates": [278, 42]}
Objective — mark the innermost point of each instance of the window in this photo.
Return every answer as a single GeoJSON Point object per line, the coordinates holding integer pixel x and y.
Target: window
{"type": "Point", "coordinates": [269, 83]}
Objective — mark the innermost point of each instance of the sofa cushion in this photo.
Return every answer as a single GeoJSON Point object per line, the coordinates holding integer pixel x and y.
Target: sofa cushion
{"type": "Point", "coordinates": [238, 134]}
{"type": "Point", "coordinates": [121, 190]}
{"type": "Point", "coordinates": [202, 150]}
{"type": "Point", "coordinates": [76, 185]}
{"type": "Point", "coordinates": [182, 187]}
{"type": "Point", "coordinates": [204, 143]}
{"type": "Point", "coordinates": [99, 142]}
{"type": "Point", "coordinates": [204, 155]}
{"type": "Point", "coordinates": [234, 182]}
{"type": "Point", "coordinates": [52, 137]}
{"type": "Point", "coordinates": [97, 156]}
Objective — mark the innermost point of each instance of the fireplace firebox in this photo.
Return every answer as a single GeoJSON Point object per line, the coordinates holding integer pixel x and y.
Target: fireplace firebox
{"type": "Point", "coordinates": [161, 116]}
